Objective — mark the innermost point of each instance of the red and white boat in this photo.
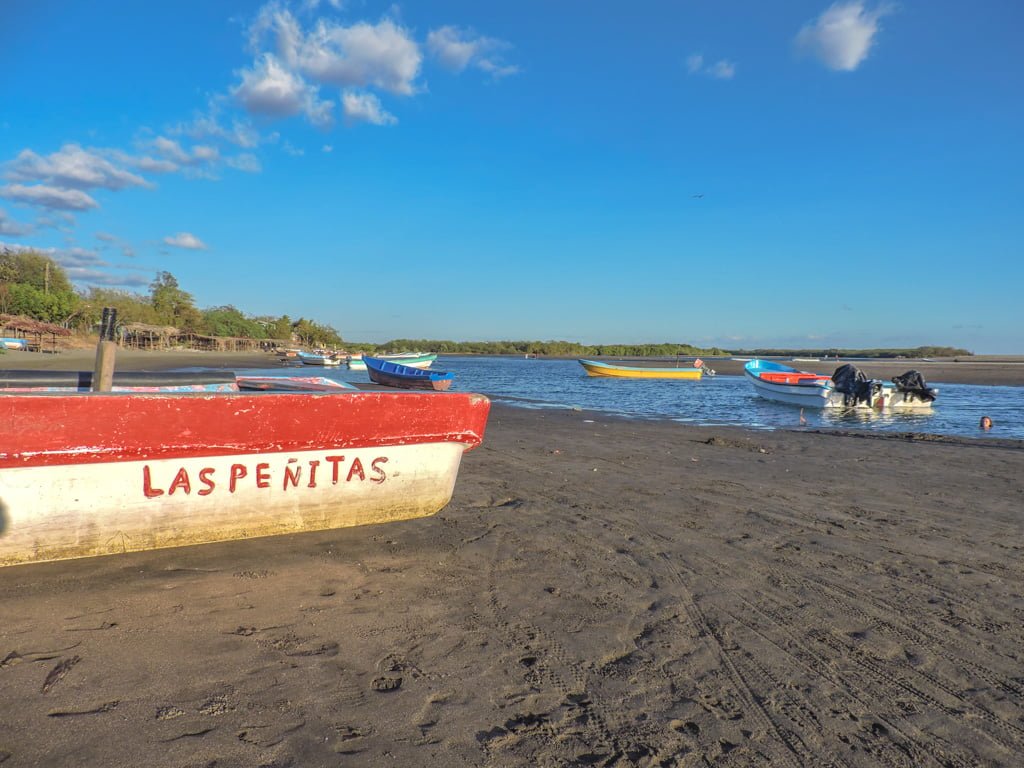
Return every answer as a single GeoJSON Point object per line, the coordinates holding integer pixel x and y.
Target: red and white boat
{"type": "Point", "coordinates": [95, 474]}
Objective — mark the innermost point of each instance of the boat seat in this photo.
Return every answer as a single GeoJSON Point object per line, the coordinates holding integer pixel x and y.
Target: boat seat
{"type": "Point", "coordinates": [793, 378]}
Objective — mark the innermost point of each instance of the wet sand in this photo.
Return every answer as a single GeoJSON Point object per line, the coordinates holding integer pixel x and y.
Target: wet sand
{"type": "Point", "coordinates": [599, 592]}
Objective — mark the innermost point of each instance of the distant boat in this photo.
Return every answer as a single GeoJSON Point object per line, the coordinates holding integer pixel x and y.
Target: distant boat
{"type": "Point", "coordinates": [847, 388]}
{"type": "Point", "coordinates": [392, 374]}
{"type": "Point", "coordinates": [156, 382]}
{"type": "Point", "coordinates": [594, 368]}
{"type": "Point", "coordinates": [318, 358]}
{"type": "Point", "coordinates": [106, 473]}
{"type": "Point", "coordinates": [411, 359]}
{"type": "Point", "coordinates": [8, 342]}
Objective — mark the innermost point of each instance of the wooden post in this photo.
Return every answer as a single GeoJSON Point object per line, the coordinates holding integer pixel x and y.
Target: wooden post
{"type": "Point", "coordinates": [106, 349]}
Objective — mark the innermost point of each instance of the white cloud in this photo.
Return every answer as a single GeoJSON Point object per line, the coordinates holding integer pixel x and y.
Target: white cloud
{"type": "Point", "coordinates": [9, 226]}
{"type": "Point", "coordinates": [207, 125]}
{"type": "Point", "coordinates": [49, 197]}
{"type": "Point", "coordinates": [383, 55]}
{"type": "Point", "coordinates": [126, 249]}
{"type": "Point", "coordinates": [186, 240]}
{"type": "Point", "coordinates": [72, 166]}
{"type": "Point", "coordinates": [366, 107]}
{"type": "Point", "coordinates": [843, 35]}
{"type": "Point", "coordinates": [457, 49]}
{"type": "Point", "coordinates": [90, 276]}
{"type": "Point", "coordinates": [291, 149]}
{"type": "Point", "coordinates": [723, 69]}
{"type": "Point", "coordinates": [272, 90]}
{"type": "Point", "coordinates": [246, 162]}
{"type": "Point", "coordinates": [328, 148]}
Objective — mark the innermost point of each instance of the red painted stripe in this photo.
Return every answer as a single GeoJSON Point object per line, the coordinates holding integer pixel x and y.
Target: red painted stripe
{"type": "Point", "coordinates": [44, 430]}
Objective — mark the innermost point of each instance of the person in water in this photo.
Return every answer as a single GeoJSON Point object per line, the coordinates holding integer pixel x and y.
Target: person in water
{"type": "Point", "coordinates": [986, 423]}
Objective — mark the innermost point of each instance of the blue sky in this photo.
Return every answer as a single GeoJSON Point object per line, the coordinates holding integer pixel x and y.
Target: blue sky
{"type": "Point", "coordinates": [733, 173]}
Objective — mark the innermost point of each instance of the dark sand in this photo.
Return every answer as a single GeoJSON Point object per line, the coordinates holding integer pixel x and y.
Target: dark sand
{"type": "Point", "coordinates": [599, 592]}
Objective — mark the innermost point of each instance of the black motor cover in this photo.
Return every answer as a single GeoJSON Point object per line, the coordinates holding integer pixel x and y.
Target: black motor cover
{"type": "Point", "coordinates": [913, 382]}
{"type": "Point", "coordinates": [854, 385]}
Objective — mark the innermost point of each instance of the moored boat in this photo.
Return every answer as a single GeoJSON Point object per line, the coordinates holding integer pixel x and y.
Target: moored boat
{"type": "Point", "coordinates": [319, 358]}
{"type": "Point", "coordinates": [595, 368]}
{"type": "Point", "coordinates": [94, 474]}
{"type": "Point", "coordinates": [391, 374]}
{"type": "Point", "coordinates": [8, 342]}
{"type": "Point", "coordinates": [846, 388]}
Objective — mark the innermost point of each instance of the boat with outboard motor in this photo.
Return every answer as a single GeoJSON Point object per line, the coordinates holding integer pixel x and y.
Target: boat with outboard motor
{"type": "Point", "coordinates": [846, 388]}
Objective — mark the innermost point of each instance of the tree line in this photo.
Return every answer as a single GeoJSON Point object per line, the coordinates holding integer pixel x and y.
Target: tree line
{"type": "Point", "coordinates": [34, 285]}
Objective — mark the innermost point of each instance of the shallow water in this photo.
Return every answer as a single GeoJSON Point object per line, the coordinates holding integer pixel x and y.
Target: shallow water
{"type": "Point", "coordinates": [728, 400]}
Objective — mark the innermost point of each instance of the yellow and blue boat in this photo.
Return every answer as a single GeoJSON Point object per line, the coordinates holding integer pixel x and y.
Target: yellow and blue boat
{"type": "Point", "coordinates": [594, 368]}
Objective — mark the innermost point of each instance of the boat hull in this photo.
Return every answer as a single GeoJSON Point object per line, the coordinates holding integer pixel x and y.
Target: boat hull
{"type": "Point", "coordinates": [85, 475]}
{"type": "Point", "coordinates": [819, 393]}
{"type": "Point", "coordinates": [594, 368]}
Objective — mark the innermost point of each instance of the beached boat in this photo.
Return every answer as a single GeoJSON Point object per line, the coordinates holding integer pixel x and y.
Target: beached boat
{"type": "Point", "coordinates": [392, 374]}
{"type": "Point", "coordinates": [165, 381]}
{"type": "Point", "coordinates": [847, 388]}
{"type": "Point", "coordinates": [355, 362]}
{"type": "Point", "coordinates": [594, 368]}
{"type": "Point", "coordinates": [319, 358]}
{"type": "Point", "coordinates": [95, 474]}
{"type": "Point", "coordinates": [8, 342]}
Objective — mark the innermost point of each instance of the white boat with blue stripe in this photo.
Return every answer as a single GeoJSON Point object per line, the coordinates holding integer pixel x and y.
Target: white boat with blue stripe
{"type": "Point", "coordinates": [778, 382]}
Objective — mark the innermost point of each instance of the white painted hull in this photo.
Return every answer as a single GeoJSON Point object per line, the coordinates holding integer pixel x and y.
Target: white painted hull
{"type": "Point", "coordinates": [79, 510]}
{"type": "Point", "coordinates": [826, 397]}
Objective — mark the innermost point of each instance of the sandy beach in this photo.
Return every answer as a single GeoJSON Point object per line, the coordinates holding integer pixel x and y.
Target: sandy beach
{"type": "Point", "coordinates": [599, 592]}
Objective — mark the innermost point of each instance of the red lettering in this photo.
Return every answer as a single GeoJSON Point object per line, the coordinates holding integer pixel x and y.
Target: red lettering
{"type": "Point", "coordinates": [180, 481]}
{"type": "Point", "coordinates": [238, 471]}
{"type": "Point", "coordinates": [380, 474]}
{"type": "Point", "coordinates": [356, 469]}
{"type": "Point", "coordinates": [262, 476]}
{"type": "Point", "coordinates": [293, 475]}
{"type": "Point", "coordinates": [312, 473]}
{"type": "Point", "coordinates": [204, 478]}
{"type": "Point", "coordinates": [335, 460]}
{"type": "Point", "coordinates": [147, 485]}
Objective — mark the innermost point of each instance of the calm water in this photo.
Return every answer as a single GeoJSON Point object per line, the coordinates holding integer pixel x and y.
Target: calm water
{"type": "Point", "coordinates": [718, 400]}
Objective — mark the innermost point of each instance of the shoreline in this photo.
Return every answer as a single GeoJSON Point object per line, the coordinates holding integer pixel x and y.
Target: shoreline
{"type": "Point", "coordinates": [598, 591]}
{"type": "Point", "coordinates": [983, 372]}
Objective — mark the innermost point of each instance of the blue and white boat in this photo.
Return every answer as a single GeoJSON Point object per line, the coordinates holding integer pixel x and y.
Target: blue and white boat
{"type": "Point", "coordinates": [778, 382]}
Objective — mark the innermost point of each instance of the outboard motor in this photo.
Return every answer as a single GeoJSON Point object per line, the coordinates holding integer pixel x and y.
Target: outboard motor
{"type": "Point", "coordinates": [854, 385]}
{"type": "Point", "coordinates": [913, 383]}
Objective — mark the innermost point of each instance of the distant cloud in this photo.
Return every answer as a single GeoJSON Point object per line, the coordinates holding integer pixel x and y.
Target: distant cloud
{"type": "Point", "coordinates": [271, 90]}
{"type": "Point", "coordinates": [290, 149]}
{"type": "Point", "coordinates": [456, 49]}
{"type": "Point", "coordinates": [186, 240]}
{"type": "Point", "coordinates": [723, 69]}
{"type": "Point", "coordinates": [328, 148]}
{"type": "Point", "coordinates": [246, 162]}
{"type": "Point", "coordinates": [72, 166]}
{"type": "Point", "coordinates": [126, 249]}
{"type": "Point", "coordinates": [842, 36]}
{"type": "Point", "coordinates": [9, 226]}
{"type": "Point", "coordinates": [382, 55]}
{"type": "Point", "coordinates": [365, 107]}
{"type": "Point", "coordinates": [49, 197]}
{"type": "Point", "coordinates": [90, 276]}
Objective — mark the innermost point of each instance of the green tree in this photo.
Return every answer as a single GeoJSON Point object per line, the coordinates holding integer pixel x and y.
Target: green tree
{"type": "Point", "coordinates": [228, 321]}
{"type": "Point", "coordinates": [173, 306]}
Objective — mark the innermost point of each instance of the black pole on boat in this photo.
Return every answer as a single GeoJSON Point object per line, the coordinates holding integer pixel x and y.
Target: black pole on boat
{"type": "Point", "coordinates": [106, 349]}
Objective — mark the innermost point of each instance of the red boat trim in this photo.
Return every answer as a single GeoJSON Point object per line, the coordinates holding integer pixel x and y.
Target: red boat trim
{"type": "Point", "coordinates": [43, 430]}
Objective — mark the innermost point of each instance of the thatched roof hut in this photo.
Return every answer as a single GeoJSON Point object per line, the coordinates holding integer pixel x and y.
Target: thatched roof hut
{"type": "Point", "coordinates": [41, 337]}
{"type": "Point", "coordinates": [143, 336]}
